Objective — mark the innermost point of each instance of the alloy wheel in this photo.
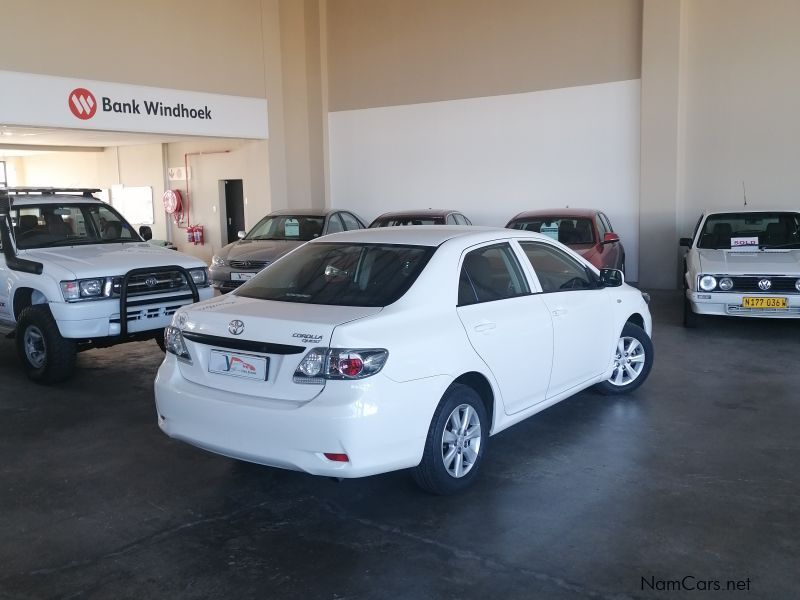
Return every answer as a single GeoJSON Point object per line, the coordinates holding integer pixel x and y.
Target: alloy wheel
{"type": "Point", "coordinates": [629, 361]}
{"type": "Point", "coordinates": [461, 441]}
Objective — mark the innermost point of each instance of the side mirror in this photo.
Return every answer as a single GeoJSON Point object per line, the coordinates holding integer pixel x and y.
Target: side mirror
{"type": "Point", "coordinates": [611, 277]}
{"type": "Point", "coordinates": [686, 242]}
{"type": "Point", "coordinates": [146, 232]}
{"type": "Point", "coordinates": [610, 237]}
{"type": "Point", "coordinates": [241, 234]}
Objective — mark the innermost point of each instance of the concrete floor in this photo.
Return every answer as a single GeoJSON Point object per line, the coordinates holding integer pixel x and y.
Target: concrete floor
{"type": "Point", "coordinates": [696, 474]}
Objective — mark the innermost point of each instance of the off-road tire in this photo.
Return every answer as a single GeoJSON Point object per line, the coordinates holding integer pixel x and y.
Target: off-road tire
{"type": "Point", "coordinates": [58, 362]}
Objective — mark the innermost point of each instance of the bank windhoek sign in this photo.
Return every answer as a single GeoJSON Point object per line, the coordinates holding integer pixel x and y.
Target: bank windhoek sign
{"type": "Point", "coordinates": [46, 101]}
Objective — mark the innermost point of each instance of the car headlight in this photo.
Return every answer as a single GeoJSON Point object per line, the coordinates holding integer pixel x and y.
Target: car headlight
{"type": "Point", "coordinates": [219, 261]}
{"type": "Point", "coordinates": [708, 283]}
{"type": "Point", "coordinates": [725, 284]}
{"type": "Point", "coordinates": [174, 344]}
{"type": "Point", "coordinates": [84, 289]}
{"type": "Point", "coordinates": [199, 276]}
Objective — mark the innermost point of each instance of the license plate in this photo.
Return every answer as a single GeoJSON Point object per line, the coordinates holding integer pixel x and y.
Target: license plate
{"type": "Point", "coordinates": [753, 302]}
{"type": "Point", "coordinates": [242, 276]}
{"type": "Point", "coordinates": [237, 364]}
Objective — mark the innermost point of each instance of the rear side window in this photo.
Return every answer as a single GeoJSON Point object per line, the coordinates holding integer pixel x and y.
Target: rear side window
{"type": "Point", "coordinates": [490, 273]}
{"type": "Point", "coordinates": [341, 274]}
{"type": "Point", "coordinates": [350, 222]}
{"type": "Point", "coordinates": [557, 271]}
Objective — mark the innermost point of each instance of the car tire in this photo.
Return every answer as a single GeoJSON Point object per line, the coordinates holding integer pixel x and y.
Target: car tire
{"type": "Point", "coordinates": [690, 318]}
{"type": "Point", "coordinates": [450, 466]}
{"type": "Point", "coordinates": [160, 341]}
{"type": "Point", "coordinates": [46, 356]}
{"type": "Point", "coordinates": [633, 361]}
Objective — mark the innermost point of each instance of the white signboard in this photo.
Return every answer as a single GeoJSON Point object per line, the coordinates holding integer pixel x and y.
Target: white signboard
{"type": "Point", "coordinates": [177, 173]}
{"type": "Point", "coordinates": [46, 101]}
{"type": "Point", "coordinates": [135, 203]}
{"type": "Point", "coordinates": [744, 244]}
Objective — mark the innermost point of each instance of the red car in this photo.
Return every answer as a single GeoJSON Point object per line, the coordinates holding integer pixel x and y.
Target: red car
{"type": "Point", "coordinates": [588, 232]}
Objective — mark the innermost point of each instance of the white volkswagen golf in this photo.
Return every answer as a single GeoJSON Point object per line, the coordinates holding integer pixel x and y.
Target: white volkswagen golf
{"type": "Point", "coordinates": [382, 349]}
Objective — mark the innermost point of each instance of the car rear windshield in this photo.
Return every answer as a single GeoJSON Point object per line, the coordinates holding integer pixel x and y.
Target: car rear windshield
{"type": "Point", "coordinates": [69, 224]}
{"type": "Point", "coordinates": [567, 230]}
{"type": "Point", "coordinates": [762, 229]}
{"type": "Point", "coordinates": [395, 221]}
{"type": "Point", "coordinates": [297, 228]}
{"type": "Point", "coordinates": [341, 274]}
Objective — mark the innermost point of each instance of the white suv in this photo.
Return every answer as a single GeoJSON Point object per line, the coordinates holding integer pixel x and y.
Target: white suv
{"type": "Point", "coordinates": [381, 349]}
{"type": "Point", "coordinates": [70, 266]}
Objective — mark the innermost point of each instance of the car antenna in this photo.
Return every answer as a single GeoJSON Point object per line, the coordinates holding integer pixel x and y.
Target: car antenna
{"type": "Point", "coordinates": [744, 191]}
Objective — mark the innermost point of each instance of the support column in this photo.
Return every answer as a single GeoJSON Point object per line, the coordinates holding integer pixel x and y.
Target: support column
{"type": "Point", "coordinates": [663, 55]}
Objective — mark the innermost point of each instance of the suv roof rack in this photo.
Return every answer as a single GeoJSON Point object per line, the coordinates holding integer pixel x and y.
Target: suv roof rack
{"type": "Point", "coordinates": [49, 190]}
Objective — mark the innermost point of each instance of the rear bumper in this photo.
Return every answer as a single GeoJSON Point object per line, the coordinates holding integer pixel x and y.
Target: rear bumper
{"type": "Point", "coordinates": [729, 304]}
{"type": "Point", "coordinates": [381, 425]}
{"type": "Point", "coordinates": [100, 318]}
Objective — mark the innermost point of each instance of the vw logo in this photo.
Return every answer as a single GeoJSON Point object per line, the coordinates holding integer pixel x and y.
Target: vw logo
{"type": "Point", "coordinates": [764, 284]}
{"type": "Point", "coordinates": [236, 327]}
{"type": "Point", "coordinates": [151, 281]}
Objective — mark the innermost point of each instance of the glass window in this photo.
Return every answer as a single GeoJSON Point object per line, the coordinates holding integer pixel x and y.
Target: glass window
{"type": "Point", "coordinates": [451, 220]}
{"type": "Point", "coordinates": [299, 228]}
{"type": "Point", "coordinates": [461, 219]}
{"type": "Point", "coordinates": [567, 230]}
{"type": "Point", "coordinates": [762, 229]}
{"type": "Point", "coordinates": [602, 226]}
{"type": "Point", "coordinates": [408, 220]}
{"type": "Point", "coordinates": [341, 274]}
{"type": "Point", "coordinates": [3, 174]}
{"type": "Point", "coordinates": [350, 222]}
{"type": "Point", "coordinates": [490, 273]}
{"type": "Point", "coordinates": [335, 224]}
{"type": "Point", "coordinates": [557, 271]}
{"type": "Point", "coordinates": [48, 225]}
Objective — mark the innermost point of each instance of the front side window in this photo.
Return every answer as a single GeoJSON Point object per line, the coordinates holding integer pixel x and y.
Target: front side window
{"type": "Point", "coordinates": [335, 224]}
{"type": "Point", "coordinates": [68, 224]}
{"type": "Point", "coordinates": [297, 228]}
{"type": "Point", "coordinates": [490, 273]}
{"type": "Point", "coordinates": [762, 229]}
{"type": "Point", "coordinates": [557, 271]}
{"type": "Point", "coordinates": [350, 222]}
{"type": "Point", "coordinates": [341, 274]}
{"type": "Point", "coordinates": [567, 230]}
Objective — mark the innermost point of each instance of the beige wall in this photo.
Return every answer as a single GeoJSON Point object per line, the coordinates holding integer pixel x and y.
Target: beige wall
{"type": "Point", "coordinates": [211, 46]}
{"type": "Point", "coordinates": [390, 52]}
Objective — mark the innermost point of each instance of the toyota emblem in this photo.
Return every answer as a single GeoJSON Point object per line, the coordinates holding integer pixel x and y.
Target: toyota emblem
{"type": "Point", "coordinates": [764, 284]}
{"type": "Point", "coordinates": [151, 281]}
{"type": "Point", "coordinates": [236, 327]}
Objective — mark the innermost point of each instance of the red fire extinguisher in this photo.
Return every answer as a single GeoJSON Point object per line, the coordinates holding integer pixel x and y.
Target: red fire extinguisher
{"type": "Point", "coordinates": [198, 235]}
{"type": "Point", "coordinates": [190, 234]}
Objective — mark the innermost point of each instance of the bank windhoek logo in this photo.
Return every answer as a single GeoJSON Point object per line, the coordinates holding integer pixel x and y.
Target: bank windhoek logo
{"type": "Point", "coordinates": [82, 103]}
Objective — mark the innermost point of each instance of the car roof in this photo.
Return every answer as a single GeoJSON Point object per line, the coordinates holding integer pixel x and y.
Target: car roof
{"type": "Point", "coordinates": [429, 235]}
{"type": "Point", "coordinates": [423, 212]}
{"type": "Point", "coordinates": [747, 209]}
{"type": "Point", "coordinates": [556, 212]}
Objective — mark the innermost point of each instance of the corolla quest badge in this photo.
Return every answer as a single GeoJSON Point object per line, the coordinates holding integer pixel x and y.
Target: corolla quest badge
{"type": "Point", "coordinates": [236, 327]}
{"type": "Point", "coordinates": [764, 284]}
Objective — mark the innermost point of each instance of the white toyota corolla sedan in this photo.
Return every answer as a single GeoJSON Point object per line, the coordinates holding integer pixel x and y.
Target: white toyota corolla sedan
{"type": "Point", "coordinates": [405, 347]}
{"type": "Point", "coordinates": [743, 262]}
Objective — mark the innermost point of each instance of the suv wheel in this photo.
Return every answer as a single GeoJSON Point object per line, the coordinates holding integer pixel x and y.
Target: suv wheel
{"type": "Point", "coordinates": [455, 444]}
{"type": "Point", "coordinates": [46, 356]}
{"type": "Point", "coordinates": [633, 359]}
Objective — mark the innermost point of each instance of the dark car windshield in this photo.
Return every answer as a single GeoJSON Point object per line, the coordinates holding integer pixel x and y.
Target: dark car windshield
{"type": "Point", "coordinates": [407, 220]}
{"type": "Point", "coordinates": [297, 228]}
{"type": "Point", "coordinates": [69, 224]}
{"type": "Point", "coordinates": [762, 229]}
{"type": "Point", "coordinates": [567, 230]}
{"type": "Point", "coordinates": [341, 274]}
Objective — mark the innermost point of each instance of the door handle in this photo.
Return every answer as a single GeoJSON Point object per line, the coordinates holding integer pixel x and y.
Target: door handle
{"type": "Point", "coordinates": [559, 311]}
{"type": "Point", "coordinates": [481, 327]}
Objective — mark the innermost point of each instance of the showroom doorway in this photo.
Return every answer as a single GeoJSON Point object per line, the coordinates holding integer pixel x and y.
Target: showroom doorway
{"type": "Point", "coordinates": [234, 208]}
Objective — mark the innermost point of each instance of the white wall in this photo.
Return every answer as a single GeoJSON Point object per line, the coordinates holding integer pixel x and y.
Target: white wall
{"type": "Point", "coordinates": [496, 156]}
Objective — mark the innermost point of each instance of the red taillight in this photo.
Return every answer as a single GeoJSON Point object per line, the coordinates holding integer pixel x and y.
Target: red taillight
{"type": "Point", "coordinates": [336, 457]}
{"type": "Point", "coordinates": [350, 365]}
